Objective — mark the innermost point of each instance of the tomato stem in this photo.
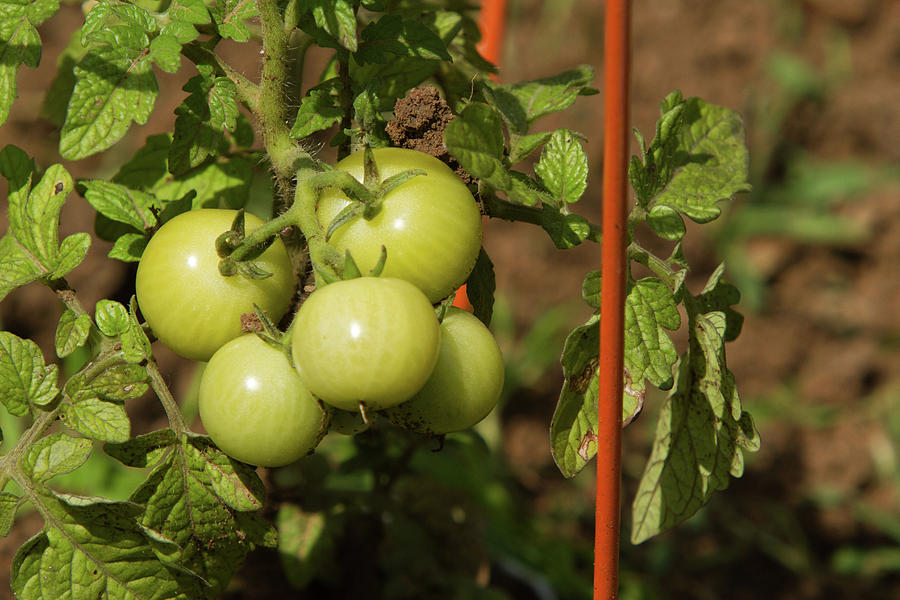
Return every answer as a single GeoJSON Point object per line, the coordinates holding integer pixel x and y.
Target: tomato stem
{"type": "Point", "coordinates": [173, 411]}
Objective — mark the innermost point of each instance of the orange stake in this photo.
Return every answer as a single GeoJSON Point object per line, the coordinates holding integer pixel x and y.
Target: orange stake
{"type": "Point", "coordinates": [612, 302]}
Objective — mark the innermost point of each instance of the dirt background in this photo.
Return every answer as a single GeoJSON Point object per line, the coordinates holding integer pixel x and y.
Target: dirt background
{"type": "Point", "coordinates": [818, 363]}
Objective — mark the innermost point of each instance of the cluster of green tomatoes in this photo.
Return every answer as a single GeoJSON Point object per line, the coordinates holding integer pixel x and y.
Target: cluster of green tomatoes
{"type": "Point", "coordinates": [355, 346]}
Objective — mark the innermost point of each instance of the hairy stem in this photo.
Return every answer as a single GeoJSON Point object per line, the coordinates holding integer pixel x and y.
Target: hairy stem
{"type": "Point", "coordinates": [173, 411]}
{"type": "Point", "coordinates": [271, 110]}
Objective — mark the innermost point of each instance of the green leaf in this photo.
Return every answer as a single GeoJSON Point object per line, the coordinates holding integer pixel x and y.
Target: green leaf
{"type": "Point", "coordinates": [699, 439]}
{"type": "Point", "coordinates": [144, 450]}
{"type": "Point", "coordinates": [55, 454]}
{"type": "Point", "coordinates": [229, 17]}
{"type": "Point", "coordinates": [566, 230]}
{"type": "Point", "coordinates": [165, 50]}
{"type": "Point", "coordinates": [189, 11]}
{"type": "Point", "coordinates": [24, 378]}
{"type": "Point", "coordinates": [573, 429]}
{"type": "Point", "coordinates": [115, 85]}
{"type": "Point", "coordinates": [590, 288]}
{"type": "Point", "coordinates": [337, 18]}
{"type": "Point", "coordinates": [16, 267]}
{"type": "Point", "coordinates": [666, 222]}
{"type": "Point", "coordinates": [480, 288]}
{"type": "Point", "coordinates": [71, 332]}
{"type": "Point", "coordinates": [223, 184]}
{"type": "Point", "coordinates": [521, 104]}
{"type": "Point", "coordinates": [119, 382]}
{"type": "Point", "coordinates": [204, 119]}
{"type": "Point", "coordinates": [475, 139]}
{"type": "Point", "coordinates": [9, 504]}
{"type": "Point", "coordinates": [708, 164]}
{"type": "Point", "coordinates": [97, 419]}
{"type": "Point", "coordinates": [148, 167]}
{"type": "Point", "coordinates": [34, 223]}
{"type": "Point", "coordinates": [319, 109]}
{"type": "Point", "coordinates": [129, 247]}
{"type": "Point", "coordinates": [113, 320]}
{"type": "Point", "coordinates": [719, 295]}
{"type": "Point", "coordinates": [521, 146]}
{"type": "Point", "coordinates": [392, 36]}
{"type": "Point", "coordinates": [93, 548]}
{"type": "Point", "coordinates": [119, 203]}
{"type": "Point", "coordinates": [19, 43]}
{"type": "Point", "coordinates": [307, 541]}
{"type": "Point", "coordinates": [650, 310]}
{"type": "Point", "coordinates": [563, 167]}
{"type": "Point", "coordinates": [135, 344]}
{"type": "Point", "coordinates": [192, 497]}
{"type": "Point", "coordinates": [111, 317]}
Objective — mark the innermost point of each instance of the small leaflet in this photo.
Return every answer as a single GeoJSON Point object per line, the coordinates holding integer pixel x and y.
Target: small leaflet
{"type": "Point", "coordinates": [55, 454]}
{"type": "Point", "coordinates": [563, 167]}
{"type": "Point", "coordinates": [24, 378]}
{"type": "Point", "coordinates": [71, 332]}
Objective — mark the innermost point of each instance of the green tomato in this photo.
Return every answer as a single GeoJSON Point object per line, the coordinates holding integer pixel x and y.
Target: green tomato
{"type": "Point", "coordinates": [466, 382]}
{"type": "Point", "coordinates": [430, 225]}
{"type": "Point", "coordinates": [369, 340]}
{"type": "Point", "coordinates": [189, 305]}
{"type": "Point", "coordinates": [254, 406]}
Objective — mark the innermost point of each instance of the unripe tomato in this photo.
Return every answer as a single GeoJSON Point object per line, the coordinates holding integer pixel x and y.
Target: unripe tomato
{"type": "Point", "coordinates": [254, 406]}
{"type": "Point", "coordinates": [369, 340]}
{"type": "Point", "coordinates": [430, 225]}
{"type": "Point", "coordinates": [466, 382]}
{"type": "Point", "coordinates": [189, 305]}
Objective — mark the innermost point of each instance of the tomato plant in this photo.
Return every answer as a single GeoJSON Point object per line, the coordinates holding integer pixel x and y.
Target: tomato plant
{"type": "Point", "coordinates": [370, 340]}
{"type": "Point", "coordinates": [465, 384]}
{"type": "Point", "coordinates": [342, 276]}
{"type": "Point", "coordinates": [254, 406]}
{"type": "Point", "coordinates": [430, 225]}
{"type": "Point", "coordinates": [191, 307]}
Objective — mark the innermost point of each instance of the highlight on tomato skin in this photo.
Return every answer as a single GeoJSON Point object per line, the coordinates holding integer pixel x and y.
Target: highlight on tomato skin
{"type": "Point", "coordinates": [254, 406]}
{"type": "Point", "coordinates": [192, 308]}
{"type": "Point", "coordinates": [371, 340]}
{"type": "Point", "coordinates": [465, 385]}
{"type": "Point", "coordinates": [430, 225]}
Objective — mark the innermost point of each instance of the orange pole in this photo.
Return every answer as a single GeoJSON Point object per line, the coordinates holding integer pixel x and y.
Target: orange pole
{"type": "Point", "coordinates": [612, 302]}
{"type": "Point", "coordinates": [492, 24]}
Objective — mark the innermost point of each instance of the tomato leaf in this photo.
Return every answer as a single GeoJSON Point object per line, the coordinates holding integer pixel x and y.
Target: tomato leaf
{"type": "Point", "coordinates": [700, 436]}
{"type": "Point", "coordinates": [334, 18]}
{"type": "Point", "coordinates": [650, 311]}
{"type": "Point", "coordinates": [566, 230]}
{"type": "Point", "coordinates": [319, 109]}
{"type": "Point", "coordinates": [194, 496]}
{"type": "Point", "coordinates": [114, 320]}
{"type": "Point", "coordinates": [720, 295]}
{"type": "Point", "coordinates": [563, 167]}
{"type": "Point", "coordinates": [229, 18]}
{"type": "Point", "coordinates": [24, 378]}
{"type": "Point", "coordinates": [189, 11]}
{"type": "Point", "coordinates": [697, 159]}
{"type": "Point", "coordinates": [573, 429]}
{"type": "Point", "coordinates": [666, 222]}
{"type": "Point", "coordinates": [71, 332]}
{"type": "Point", "coordinates": [144, 450]}
{"type": "Point", "coordinates": [521, 104]}
{"type": "Point", "coordinates": [19, 43]}
{"type": "Point", "coordinates": [392, 36]}
{"type": "Point", "coordinates": [122, 204]}
{"type": "Point", "coordinates": [9, 504]}
{"type": "Point", "coordinates": [115, 86]}
{"type": "Point", "coordinates": [95, 418]}
{"type": "Point", "coordinates": [202, 122]}
{"type": "Point", "coordinates": [100, 545]}
{"type": "Point", "coordinates": [34, 224]}
{"type": "Point", "coordinates": [55, 454]}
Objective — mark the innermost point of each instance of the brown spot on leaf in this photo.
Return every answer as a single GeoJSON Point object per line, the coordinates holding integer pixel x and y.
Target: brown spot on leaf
{"type": "Point", "coordinates": [59, 187]}
{"type": "Point", "coordinates": [588, 438]}
{"type": "Point", "coordinates": [579, 384]}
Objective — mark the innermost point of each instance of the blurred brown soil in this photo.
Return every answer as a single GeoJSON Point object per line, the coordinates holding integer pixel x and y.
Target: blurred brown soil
{"type": "Point", "coordinates": [828, 333]}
